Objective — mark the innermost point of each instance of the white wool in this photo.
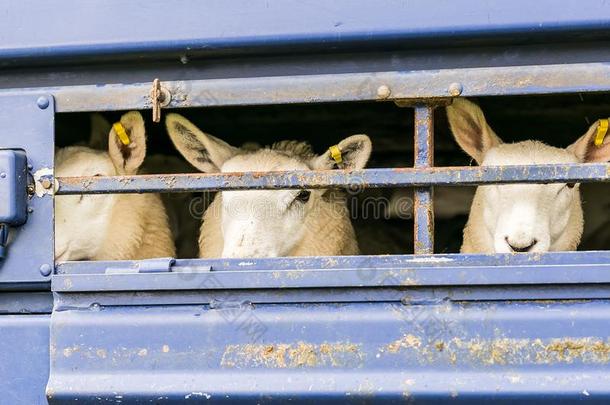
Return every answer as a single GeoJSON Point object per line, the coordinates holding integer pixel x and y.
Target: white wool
{"type": "Point", "coordinates": [109, 227]}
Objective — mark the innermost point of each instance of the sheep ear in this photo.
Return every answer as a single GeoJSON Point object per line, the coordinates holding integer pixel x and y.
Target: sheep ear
{"type": "Point", "coordinates": [470, 129]}
{"type": "Point", "coordinates": [586, 150]}
{"type": "Point", "coordinates": [100, 127]}
{"type": "Point", "coordinates": [127, 159]}
{"type": "Point", "coordinates": [206, 152]}
{"type": "Point", "coordinates": [354, 150]}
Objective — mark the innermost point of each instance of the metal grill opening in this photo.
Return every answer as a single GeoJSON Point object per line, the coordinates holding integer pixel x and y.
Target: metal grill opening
{"type": "Point", "coordinates": [389, 214]}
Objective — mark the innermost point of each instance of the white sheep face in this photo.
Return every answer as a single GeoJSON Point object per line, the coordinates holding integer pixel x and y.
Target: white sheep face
{"type": "Point", "coordinates": [261, 223]}
{"type": "Point", "coordinates": [264, 223]}
{"type": "Point", "coordinates": [527, 217]}
{"type": "Point", "coordinates": [521, 217]}
{"type": "Point", "coordinates": [81, 221]}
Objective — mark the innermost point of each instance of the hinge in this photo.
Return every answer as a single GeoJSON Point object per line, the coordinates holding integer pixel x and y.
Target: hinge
{"type": "Point", "coordinates": [156, 265]}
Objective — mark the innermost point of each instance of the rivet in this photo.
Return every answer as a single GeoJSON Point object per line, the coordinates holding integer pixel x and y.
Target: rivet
{"type": "Point", "coordinates": [30, 210]}
{"type": "Point", "coordinates": [43, 102]}
{"type": "Point", "coordinates": [30, 167]}
{"type": "Point", "coordinates": [383, 91]}
{"type": "Point", "coordinates": [46, 183]}
{"type": "Point", "coordinates": [455, 89]}
{"type": "Point", "coordinates": [3, 175]}
{"type": "Point", "coordinates": [45, 270]}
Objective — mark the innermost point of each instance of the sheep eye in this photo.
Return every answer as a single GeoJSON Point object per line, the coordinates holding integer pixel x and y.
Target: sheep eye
{"type": "Point", "coordinates": [303, 196]}
{"type": "Point", "coordinates": [571, 185]}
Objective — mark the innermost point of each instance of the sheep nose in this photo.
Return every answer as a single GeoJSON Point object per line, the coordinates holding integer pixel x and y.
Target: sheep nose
{"type": "Point", "coordinates": [519, 248]}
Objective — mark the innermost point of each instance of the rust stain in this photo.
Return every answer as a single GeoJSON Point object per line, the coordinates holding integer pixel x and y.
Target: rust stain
{"type": "Point", "coordinates": [502, 351]}
{"type": "Point", "coordinates": [170, 181]}
{"type": "Point", "coordinates": [407, 341]}
{"type": "Point", "coordinates": [101, 353]}
{"type": "Point", "coordinates": [294, 355]}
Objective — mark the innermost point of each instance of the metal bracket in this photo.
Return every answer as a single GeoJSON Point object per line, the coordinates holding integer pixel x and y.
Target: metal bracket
{"type": "Point", "coordinates": [160, 97]}
{"type": "Point", "coordinates": [156, 265]}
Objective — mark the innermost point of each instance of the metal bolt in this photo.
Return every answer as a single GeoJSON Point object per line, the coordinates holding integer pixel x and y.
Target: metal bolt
{"type": "Point", "coordinates": [30, 210]}
{"type": "Point", "coordinates": [43, 102]}
{"type": "Point", "coordinates": [46, 183]}
{"type": "Point", "coordinates": [455, 89]}
{"type": "Point", "coordinates": [383, 91]}
{"type": "Point", "coordinates": [184, 59]}
{"type": "Point", "coordinates": [45, 270]}
{"type": "Point", "coordinates": [30, 167]}
{"type": "Point", "coordinates": [3, 175]}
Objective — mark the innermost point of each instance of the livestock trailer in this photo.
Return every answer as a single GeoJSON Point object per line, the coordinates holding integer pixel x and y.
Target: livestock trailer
{"type": "Point", "coordinates": [411, 320]}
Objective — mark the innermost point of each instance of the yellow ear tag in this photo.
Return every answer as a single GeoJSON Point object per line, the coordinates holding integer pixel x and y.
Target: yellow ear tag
{"type": "Point", "coordinates": [602, 130]}
{"type": "Point", "coordinates": [121, 133]}
{"type": "Point", "coordinates": [335, 153]}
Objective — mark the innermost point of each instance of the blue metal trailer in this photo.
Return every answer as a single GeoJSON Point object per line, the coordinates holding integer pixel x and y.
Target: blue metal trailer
{"type": "Point", "coordinates": [417, 328]}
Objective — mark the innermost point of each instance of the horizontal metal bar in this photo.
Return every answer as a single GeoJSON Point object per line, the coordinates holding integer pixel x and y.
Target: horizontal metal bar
{"type": "Point", "coordinates": [371, 178]}
{"type": "Point", "coordinates": [513, 80]}
{"type": "Point", "coordinates": [355, 271]}
{"type": "Point", "coordinates": [419, 295]}
{"type": "Point", "coordinates": [353, 262]}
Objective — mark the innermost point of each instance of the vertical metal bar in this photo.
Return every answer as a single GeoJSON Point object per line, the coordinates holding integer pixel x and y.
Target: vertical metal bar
{"type": "Point", "coordinates": [423, 196]}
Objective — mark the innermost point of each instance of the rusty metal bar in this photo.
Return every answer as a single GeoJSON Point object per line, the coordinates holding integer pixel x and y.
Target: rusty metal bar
{"type": "Point", "coordinates": [422, 84]}
{"type": "Point", "coordinates": [423, 209]}
{"type": "Point", "coordinates": [371, 178]}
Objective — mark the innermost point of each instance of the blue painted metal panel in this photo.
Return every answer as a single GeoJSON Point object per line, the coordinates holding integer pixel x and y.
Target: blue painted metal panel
{"type": "Point", "coordinates": [531, 352]}
{"type": "Point", "coordinates": [28, 302]}
{"type": "Point", "coordinates": [368, 178]}
{"type": "Point", "coordinates": [27, 126]}
{"type": "Point", "coordinates": [24, 359]}
{"type": "Point", "coordinates": [249, 26]}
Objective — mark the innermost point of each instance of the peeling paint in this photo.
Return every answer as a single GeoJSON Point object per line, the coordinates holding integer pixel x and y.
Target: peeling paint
{"type": "Point", "coordinates": [293, 355]}
{"type": "Point", "coordinates": [502, 351]}
{"type": "Point", "coordinates": [406, 341]}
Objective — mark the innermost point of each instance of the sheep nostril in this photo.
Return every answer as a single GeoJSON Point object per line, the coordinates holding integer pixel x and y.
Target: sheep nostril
{"type": "Point", "coordinates": [521, 249]}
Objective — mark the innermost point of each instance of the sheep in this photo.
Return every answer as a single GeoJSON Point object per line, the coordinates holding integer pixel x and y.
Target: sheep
{"type": "Point", "coordinates": [270, 223]}
{"type": "Point", "coordinates": [521, 217]}
{"type": "Point", "coordinates": [110, 227]}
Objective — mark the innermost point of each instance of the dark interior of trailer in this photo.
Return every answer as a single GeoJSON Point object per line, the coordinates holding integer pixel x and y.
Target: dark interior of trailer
{"type": "Point", "coordinates": [384, 226]}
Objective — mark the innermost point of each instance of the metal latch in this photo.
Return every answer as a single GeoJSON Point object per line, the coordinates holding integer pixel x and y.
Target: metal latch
{"type": "Point", "coordinates": [159, 97]}
{"type": "Point", "coordinates": [13, 192]}
{"type": "Point", "coordinates": [157, 265]}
